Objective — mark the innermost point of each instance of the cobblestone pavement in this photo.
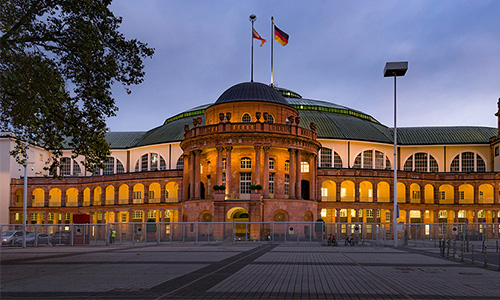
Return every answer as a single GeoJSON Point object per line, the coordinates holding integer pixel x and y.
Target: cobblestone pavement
{"type": "Point", "coordinates": [246, 271]}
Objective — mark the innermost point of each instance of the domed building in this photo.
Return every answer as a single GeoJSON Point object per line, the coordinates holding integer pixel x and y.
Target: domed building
{"type": "Point", "coordinates": [266, 154]}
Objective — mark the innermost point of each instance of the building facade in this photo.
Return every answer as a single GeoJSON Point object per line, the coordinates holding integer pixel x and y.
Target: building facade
{"type": "Point", "coordinates": [313, 159]}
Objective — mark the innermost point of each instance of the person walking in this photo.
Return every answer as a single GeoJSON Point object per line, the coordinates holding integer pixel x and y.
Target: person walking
{"type": "Point", "coordinates": [112, 235]}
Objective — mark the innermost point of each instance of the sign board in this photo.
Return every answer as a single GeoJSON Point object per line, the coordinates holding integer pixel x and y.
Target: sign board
{"type": "Point", "coordinates": [484, 220]}
{"type": "Point", "coordinates": [467, 221]}
{"type": "Point", "coordinates": [356, 228]}
{"type": "Point", "coordinates": [454, 230]}
{"type": "Point", "coordinates": [291, 230]}
{"type": "Point", "coordinates": [139, 230]}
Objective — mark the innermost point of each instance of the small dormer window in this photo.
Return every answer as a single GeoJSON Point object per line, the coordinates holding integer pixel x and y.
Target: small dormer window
{"type": "Point", "coordinates": [246, 118]}
{"type": "Point", "coordinates": [270, 119]}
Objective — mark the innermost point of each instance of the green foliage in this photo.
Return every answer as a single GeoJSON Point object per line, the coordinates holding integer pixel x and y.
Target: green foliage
{"type": "Point", "coordinates": [216, 187]}
{"type": "Point", "coordinates": [252, 187]}
{"type": "Point", "coordinates": [58, 62]}
{"type": "Point", "coordinates": [258, 187]}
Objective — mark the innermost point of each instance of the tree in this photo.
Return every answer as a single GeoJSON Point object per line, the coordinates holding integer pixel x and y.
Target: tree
{"type": "Point", "coordinates": [58, 62]}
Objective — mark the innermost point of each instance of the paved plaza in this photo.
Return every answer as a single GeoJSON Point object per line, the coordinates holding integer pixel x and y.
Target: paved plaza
{"type": "Point", "coordinates": [246, 271]}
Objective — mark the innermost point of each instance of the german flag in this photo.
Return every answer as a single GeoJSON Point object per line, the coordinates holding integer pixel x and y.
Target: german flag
{"type": "Point", "coordinates": [280, 36]}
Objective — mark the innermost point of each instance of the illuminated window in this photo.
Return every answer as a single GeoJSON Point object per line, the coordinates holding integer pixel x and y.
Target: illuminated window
{"type": "Point", "coordinates": [287, 165]}
{"type": "Point", "coordinates": [151, 194]}
{"type": "Point", "coordinates": [245, 182]}
{"type": "Point", "coordinates": [324, 192]}
{"type": "Point", "coordinates": [461, 195]}
{"type": "Point", "coordinates": [124, 217]}
{"type": "Point", "coordinates": [461, 213]}
{"type": "Point", "coordinates": [369, 213]}
{"type": "Point", "coordinates": [304, 167]}
{"type": "Point", "coordinates": [137, 214]}
{"type": "Point", "coordinates": [442, 195]}
{"type": "Point", "coordinates": [246, 163]}
{"type": "Point", "coordinates": [287, 184]}
{"type": "Point", "coordinates": [271, 164]}
{"type": "Point", "coordinates": [152, 214]}
{"type": "Point", "coordinates": [223, 164]}
{"type": "Point", "coordinates": [343, 213]}
{"type": "Point", "coordinates": [443, 213]}
{"type": "Point", "coordinates": [137, 195]}
{"type": "Point", "coordinates": [369, 159]}
{"type": "Point", "coordinates": [246, 118]}
{"type": "Point", "coordinates": [270, 119]}
{"type": "Point", "coordinates": [271, 183]}
{"type": "Point", "coordinates": [415, 195]}
{"type": "Point", "coordinates": [65, 166]}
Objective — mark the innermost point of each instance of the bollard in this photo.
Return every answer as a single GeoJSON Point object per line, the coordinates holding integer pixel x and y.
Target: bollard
{"type": "Point", "coordinates": [485, 256]}
{"type": "Point", "coordinates": [461, 252]}
{"type": "Point", "coordinates": [448, 250]}
{"type": "Point", "coordinates": [472, 254]}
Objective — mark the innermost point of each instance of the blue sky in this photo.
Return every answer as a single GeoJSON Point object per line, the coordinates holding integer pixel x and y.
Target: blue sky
{"type": "Point", "coordinates": [337, 52]}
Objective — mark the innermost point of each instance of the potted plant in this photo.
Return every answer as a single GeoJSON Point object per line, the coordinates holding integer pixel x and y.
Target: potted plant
{"type": "Point", "coordinates": [252, 187]}
{"type": "Point", "coordinates": [258, 187]}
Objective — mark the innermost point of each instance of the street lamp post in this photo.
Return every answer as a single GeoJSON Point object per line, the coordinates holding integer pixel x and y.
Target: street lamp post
{"type": "Point", "coordinates": [395, 69]}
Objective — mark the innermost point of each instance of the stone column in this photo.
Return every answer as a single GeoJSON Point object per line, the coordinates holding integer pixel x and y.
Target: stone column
{"type": "Point", "coordinates": [455, 195]}
{"type": "Point", "coordinates": [265, 180]}
{"type": "Point", "coordinates": [436, 195]}
{"type": "Point", "coordinates": [338, 188]}
{"type": "Point", "coordinates": [219, 165]}
{"type": "Point", "coordinates": [46, 198]}
{"type": "Point", "coordinates": [456, 216]}
{"type": "Point", "coordinates": [356, 191]}
{"type": "Point", "coordinates": [64, 197]}
{"type": "Point", "coordinates": [476, 194]}
{"type": "Point", "coordinates": [407, 194]}
{"type": "Point", "coordinates": [228, 171]}
{"type": "Point", "coordinates": [257, 176]}
{"type": "Point", "coordinates": [313, 166]}
{"type": "Point", "coordinates": [422, 195]}
{"type": "Point", "coordinates": [130, 195]}
{"type": "Point", "coordinates": [495, 194]}
{"type": "Point", "coordinates": [162, 193]}
{"type": "Point", "coordinates": [146, 193]}
{"type": "Point", "coordinates": [117, 194]}
{"type": "Point", "coordinates": [183, 195]}
{"type": "Point", "coordinates": [197, 175]}
{"type": "Point", "coordinates": [298, 188]}
{"type": "Point", "coordinates": [292, 173]}
{"type": "Point", "coordinates": [375, 192]}
{"type": "Point", "coordinates": [192, 163]}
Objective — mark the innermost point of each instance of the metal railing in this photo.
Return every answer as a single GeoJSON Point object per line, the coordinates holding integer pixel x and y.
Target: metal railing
{"type": "Point", "coordinates": [235, 232]}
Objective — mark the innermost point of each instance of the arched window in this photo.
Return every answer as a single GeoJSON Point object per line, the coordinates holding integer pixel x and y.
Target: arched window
{"type": "Point", "coordinates": [337, 161]}
{"type": "Point", "coordinates": [246, 118]}
{"type": "Point", "coordinates": [69, 167]}
{"type": "Point", "coordinates": [468, 162]}
{"type": "Point", "coordinates": [223, 164]}
{"type": "Point", "coordinates": [119, 167]}
{"type": "Point", "coordinates": [421, 162]}
{"type": "Point", "coordinates": [65, 167]}
{"type": "Point", "coordinates": [151, 162]}
{"type": "Point", "coordinates": [180, 163]}
{"type": "Point", "coordinates": [109, 166]}
{"type": "Point", "coordinates": [372, 159]}
{"type": "Point", "coordinates": [326, 158]}
{"type": "Point", "coordinates": [270, 119]}
{"type": "Point", "coordinates": [246, 163]}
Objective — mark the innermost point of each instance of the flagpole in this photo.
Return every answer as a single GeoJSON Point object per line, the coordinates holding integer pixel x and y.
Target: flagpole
{"type": "Point", "coordinates": [252, 19]}
{"type": "Point", "coordinates": [272, 43]}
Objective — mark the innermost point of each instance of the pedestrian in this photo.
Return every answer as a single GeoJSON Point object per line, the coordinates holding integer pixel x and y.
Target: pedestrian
{"type": "Point", "coordinates": [112, 235]}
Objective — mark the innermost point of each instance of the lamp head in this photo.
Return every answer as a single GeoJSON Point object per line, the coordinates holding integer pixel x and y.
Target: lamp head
{"type": "Point", "coordinates": [252, 18]}
{"type": "Point", "coordinates": [395, 69]}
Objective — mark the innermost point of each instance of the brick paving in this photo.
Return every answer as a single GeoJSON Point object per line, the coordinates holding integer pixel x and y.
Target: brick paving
{"type": "Point", "coordinates": [241, 271]}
